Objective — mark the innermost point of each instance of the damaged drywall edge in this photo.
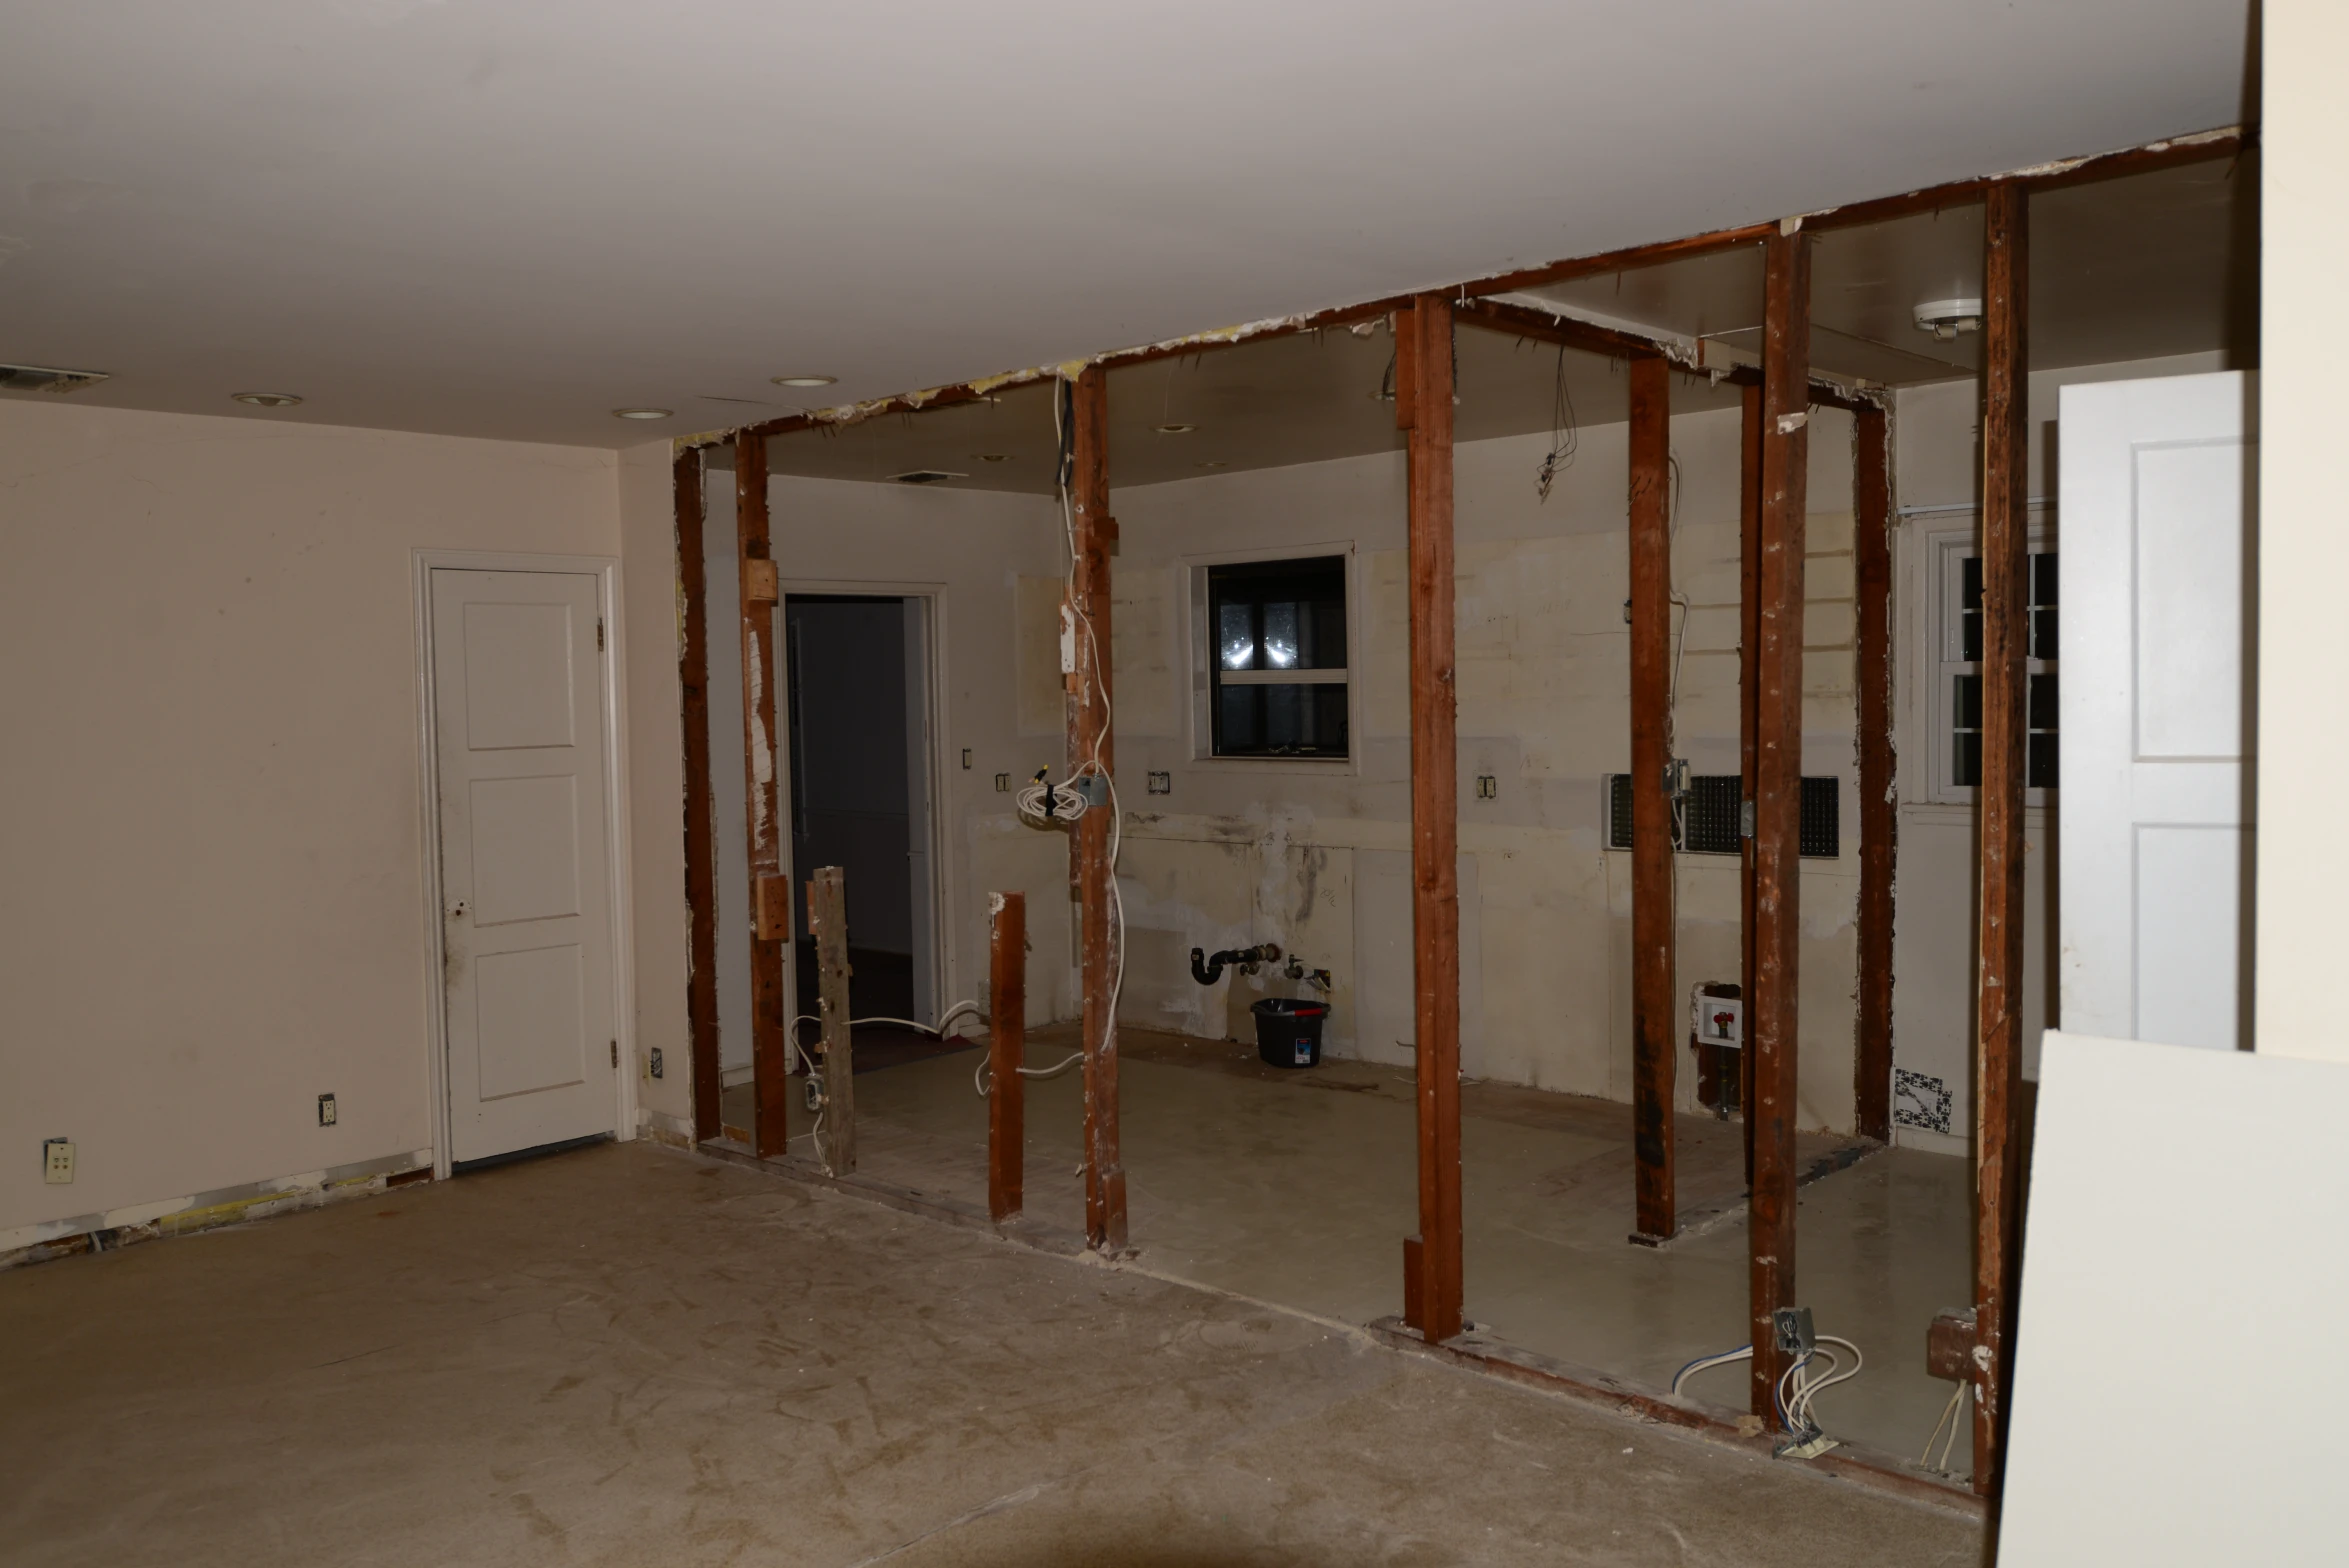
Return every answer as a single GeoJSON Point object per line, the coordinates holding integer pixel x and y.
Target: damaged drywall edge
{"type": "Point", "coordinates": [2040, 171]}
{"type": "Point", "coordinates": [134, 1222]}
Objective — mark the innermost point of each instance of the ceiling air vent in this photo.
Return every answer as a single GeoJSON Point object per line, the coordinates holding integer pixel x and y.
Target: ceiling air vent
{"type": "Point", "coordinates": [40, 378]}
{"type": "Point", "coordinates": [925, 476]}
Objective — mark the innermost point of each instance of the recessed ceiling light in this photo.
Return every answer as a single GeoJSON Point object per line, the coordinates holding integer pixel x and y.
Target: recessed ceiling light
{"type": "Point", "coordinates": [804, 381]}
{"type": "Point", "coordinates": [642, 413]}
{"type": "Point", "coordinates": [992, 457]}
{"type": "Point", "coordinates": [1176, 430]}
{"type": "Point", "coordinates": [1216, 462]}
{"type": "Point", "coordinates": [267, 399]}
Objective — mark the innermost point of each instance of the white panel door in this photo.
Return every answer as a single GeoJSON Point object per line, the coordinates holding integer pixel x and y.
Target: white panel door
{"type": "Point", "coordinates": [2157, 528]}
{"type": "Point", "coordinates": [525, 879]}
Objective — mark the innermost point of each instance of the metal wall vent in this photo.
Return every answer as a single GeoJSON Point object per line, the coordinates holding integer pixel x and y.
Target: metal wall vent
{"type": "Point", "coordinates": [42, 378]}
{"type": "Point", "coordinates": [1712, 822]}
{"type": "Point", "coordinates": [925, 476]}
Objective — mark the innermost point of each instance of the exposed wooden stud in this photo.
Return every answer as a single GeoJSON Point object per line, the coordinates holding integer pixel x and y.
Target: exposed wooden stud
{"type": "Point", "coordinates": [1091, 749]}
{"type": "Point", "coordinates": [701, 902]}
{"type": "Point", "coordinates": [1872, 577]}
{"type": "Point", "coordinates": [1654, 1017]}
{"type": "Point", "coordinates": [2006, 562]}
{"type": "Point", "coordinates": [1007, 1029]}
{"type": "Point", "coordinates": [770, 1055]}
{"type": "Point", "coordinates": [1425, 411]}
{"type": "Point", "coordinates": [1749, 648]}
{"type": "Point", "coordinates": [1778, 766]}
{"type": "Point", "coordinates": [827, 922]}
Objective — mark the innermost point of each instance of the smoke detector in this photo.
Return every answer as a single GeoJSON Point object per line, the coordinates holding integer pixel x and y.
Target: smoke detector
{"type": "Point", "coordinates": [925, 476]}
{"type": "Point", "coordinates": [1946, 318]}
{"type": "Point", "coordinates": [43, 378]}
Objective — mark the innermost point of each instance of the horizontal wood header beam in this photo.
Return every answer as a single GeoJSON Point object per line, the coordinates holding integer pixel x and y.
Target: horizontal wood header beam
{"type": "Point", "coordinates": [1542, 327]}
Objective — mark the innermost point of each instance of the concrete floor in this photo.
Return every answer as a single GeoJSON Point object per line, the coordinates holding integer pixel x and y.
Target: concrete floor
{"type": "Point", "coordinates": [629, 1355]}
{"type": "Point", "coordinates": [1297, 1187]}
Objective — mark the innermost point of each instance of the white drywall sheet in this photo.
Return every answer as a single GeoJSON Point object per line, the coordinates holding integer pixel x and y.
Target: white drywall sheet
{"type": "Point", "coordinates": [2181, 1371]}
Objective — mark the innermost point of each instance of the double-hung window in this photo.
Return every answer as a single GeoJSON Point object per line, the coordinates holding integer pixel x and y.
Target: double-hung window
{"type": "Point", "coordinates": [1958, 694]}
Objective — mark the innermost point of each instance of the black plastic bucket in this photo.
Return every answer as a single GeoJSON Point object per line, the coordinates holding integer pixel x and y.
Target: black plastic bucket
{"type": "Point", "coordinates": [1288, 1031]}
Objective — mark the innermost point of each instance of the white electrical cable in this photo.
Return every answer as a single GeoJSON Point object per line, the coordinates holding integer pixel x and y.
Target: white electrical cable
{"type": "Point", "coordinates": [1707, 1363]}
{"type": "Point", "coordinates": [1798, 1385]}
{"type": "Point", "coordinates": [1925, 1459]}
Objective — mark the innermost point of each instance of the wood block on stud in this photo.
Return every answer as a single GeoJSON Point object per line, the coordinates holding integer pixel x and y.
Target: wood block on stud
{"type": "Point", "coordinates": [773, 917]}
{"type": "Point", "coordinates": [1949, 1345]}
{"type": "Point", "coordinates": [758, 581]}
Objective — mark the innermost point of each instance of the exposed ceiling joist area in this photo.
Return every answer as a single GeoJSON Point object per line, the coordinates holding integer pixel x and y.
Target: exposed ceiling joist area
{"type": "Point", "coordinates": [2135, 267]}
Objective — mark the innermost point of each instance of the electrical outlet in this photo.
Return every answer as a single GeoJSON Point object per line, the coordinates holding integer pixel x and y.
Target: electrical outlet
{"type": "Point", "coordinates": [1161, 783]}
{"type": "Point", "coordinates": [1488, 787]}
{"type": "Point", "coordinates": [1795, 1335]}
{"type": "Point", "coordinates": [966, 759]}
{"type": "Point", "coordinates": [1002, 783]}
{"type": "Point", "coordinates": [57, 1161]}
{"type": "Point", "coordinates": [653, 1068]}
{"type": "Point", "coordinates": [326, 1110]}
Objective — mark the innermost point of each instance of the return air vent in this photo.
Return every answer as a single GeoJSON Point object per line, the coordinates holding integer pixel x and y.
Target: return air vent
{"type": "Point", "coordinates": [925, 476]}
{"type": "Point", "coordinates": [41, 378]}
{"type": "Point", "coordinates": [1710, 819]}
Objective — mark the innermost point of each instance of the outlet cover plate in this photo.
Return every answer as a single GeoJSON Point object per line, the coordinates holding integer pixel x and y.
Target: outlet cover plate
{"type": "Point", "coordinates": [57, 1161]}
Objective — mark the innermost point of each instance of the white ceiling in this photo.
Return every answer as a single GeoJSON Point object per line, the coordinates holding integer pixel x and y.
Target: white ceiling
{"type": "Point", "coordinates": [506, 217]}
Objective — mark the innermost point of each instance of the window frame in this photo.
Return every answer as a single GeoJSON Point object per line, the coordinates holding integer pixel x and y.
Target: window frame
{"type": "Point", "coordinates": [1941, 649]}
{"type": "Point", "coordinates": [1201, 647]}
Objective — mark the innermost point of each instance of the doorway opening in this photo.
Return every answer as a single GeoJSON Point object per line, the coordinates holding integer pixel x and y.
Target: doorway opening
{"type": "Point", "coordinates": [859, 791]}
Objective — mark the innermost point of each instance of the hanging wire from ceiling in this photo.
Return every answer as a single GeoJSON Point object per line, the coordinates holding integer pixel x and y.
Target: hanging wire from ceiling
{"type": "Point", "coordinates": [1565, 433]}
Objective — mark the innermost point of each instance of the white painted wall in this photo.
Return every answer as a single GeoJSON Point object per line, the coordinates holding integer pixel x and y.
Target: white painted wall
{"type": "Point", "coordinates": [2303, 550]}
{"type": "Point", "coordinates": [212, 859]}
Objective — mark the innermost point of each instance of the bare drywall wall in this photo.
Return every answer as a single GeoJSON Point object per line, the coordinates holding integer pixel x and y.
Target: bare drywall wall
{"type": "Point", "coordinates": [213, 863]}
{"type": "Point", "coordinates": [1315, 856]}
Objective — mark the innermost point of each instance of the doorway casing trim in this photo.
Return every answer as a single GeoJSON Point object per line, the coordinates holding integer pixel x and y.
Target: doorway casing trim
{"type": "Point", "coordinates": [605, 570]}
{"type": "Point", "coordinates": [943, 944]}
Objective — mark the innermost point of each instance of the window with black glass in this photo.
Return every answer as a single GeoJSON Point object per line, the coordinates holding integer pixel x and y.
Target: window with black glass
{"type": "Point", "coordinates": [1962, 674]}
{"type": "Point", "coordinates": [1277, 660]}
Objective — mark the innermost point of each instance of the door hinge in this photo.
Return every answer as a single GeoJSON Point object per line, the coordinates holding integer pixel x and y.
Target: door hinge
{"type": "Point", "coordinates": [599, 634]}
{"type": "Point", "coordinates": [615, 1053]}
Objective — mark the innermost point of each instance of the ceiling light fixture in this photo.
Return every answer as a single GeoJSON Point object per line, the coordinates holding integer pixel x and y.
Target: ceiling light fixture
{"type": "Point", "coordinates": [992, 457]}
{"type": "Point", "coordinates": [1946, 318]}
{"type": "Point", "coordinates": [266, 399]}
{"type": "Point", "coordinates": [642, 413]}
{"type": "Point", "coordinates": [803, 381]}
{"type": "Point", "coordinates": [1213, 462]}
{"type": "Point", "coordinates": [1176, 430]}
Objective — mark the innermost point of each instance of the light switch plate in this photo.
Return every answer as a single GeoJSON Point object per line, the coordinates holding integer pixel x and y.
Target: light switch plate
{"type": "Point", "coordinates": [57, 1161]}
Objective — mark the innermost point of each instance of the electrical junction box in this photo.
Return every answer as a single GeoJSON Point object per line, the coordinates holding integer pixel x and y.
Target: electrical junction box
{"type": "Point", "coordinates": [1716, 1019]}
{"type": "Point", "coordinates": [57, 1161]}
{"type": "Point", "coordinates": [1091, 788]}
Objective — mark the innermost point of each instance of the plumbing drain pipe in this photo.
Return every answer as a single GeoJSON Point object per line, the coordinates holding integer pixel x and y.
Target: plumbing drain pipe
{"type": "Point", "coordinates": [1208, 970]}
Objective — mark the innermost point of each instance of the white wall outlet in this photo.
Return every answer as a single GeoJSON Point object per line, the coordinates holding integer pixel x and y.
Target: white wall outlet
{"type": "Point", "coordinates": [326, 1110]}
{"type": "Point", "coordinates": [57, 1161]}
